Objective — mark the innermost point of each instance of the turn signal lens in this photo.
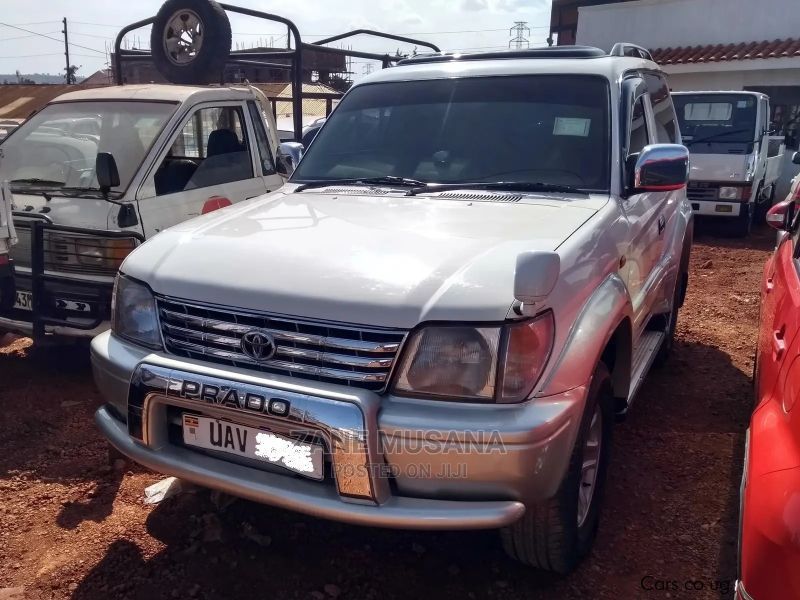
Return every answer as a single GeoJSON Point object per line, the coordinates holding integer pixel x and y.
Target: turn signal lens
{"type": "Point", "coordinates": [527, 348]}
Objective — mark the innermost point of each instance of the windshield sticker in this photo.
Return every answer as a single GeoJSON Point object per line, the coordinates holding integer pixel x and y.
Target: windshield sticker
{"type": "Point", "coordinates": [572, 126]}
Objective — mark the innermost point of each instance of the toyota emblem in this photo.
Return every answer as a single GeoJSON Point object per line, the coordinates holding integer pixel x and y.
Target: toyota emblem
{"type": "Point", "coordinates": [258, 345]}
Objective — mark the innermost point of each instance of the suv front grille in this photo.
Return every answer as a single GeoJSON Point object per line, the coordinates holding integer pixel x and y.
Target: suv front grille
{"type": "Point", "coordinates": [343, 354]}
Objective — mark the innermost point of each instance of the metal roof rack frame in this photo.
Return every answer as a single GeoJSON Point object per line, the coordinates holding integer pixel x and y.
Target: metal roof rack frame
{"type": "Point", "coordinates": [293, 55]}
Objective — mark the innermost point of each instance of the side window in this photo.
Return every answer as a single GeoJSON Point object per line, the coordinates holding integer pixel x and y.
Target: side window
{"type": "Point", "coordinates": [666, 125]}
{"type": "Point", "coordinates": [211, 149]}
{"type": "Point", "coordinates": [262, 141]}
{"type": "Point", "coordinates": [638, 137]}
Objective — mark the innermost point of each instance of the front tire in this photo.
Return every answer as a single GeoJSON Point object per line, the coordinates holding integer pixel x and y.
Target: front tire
{"type": "Point", "coordinates": [556, 534]}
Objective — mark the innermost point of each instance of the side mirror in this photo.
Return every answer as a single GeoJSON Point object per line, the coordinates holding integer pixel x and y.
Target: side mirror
{"type": "Point", "coordinates": [106, 171]}
{"type": "Point", "coordinates": [796, 158]}
{"type": "Point", "coordinates": [660, 168]}
{"type": "Point", "coordinates": [536, 275]}
{"type": "Point", "coordinates": [289, 155]}
{"type": "Point", "coordinates": [781, 215]}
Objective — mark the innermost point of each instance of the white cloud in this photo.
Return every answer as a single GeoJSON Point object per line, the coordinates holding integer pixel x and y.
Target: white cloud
{"type": "Point", "coordinates": [474, 5]}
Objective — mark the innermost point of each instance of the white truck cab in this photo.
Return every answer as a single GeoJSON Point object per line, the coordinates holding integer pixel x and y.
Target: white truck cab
{"type": "Point", "coordinates": [96, 172]}
{"type": "Point", "coordinates": [735, 161]}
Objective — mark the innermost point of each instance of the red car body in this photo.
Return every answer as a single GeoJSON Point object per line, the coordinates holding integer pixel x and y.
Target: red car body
{"type": "Point", "coordinates": [769, 535]}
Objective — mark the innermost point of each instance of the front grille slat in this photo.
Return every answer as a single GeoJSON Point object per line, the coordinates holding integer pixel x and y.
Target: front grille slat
{"type": "Point", "coordinates": [708, 194]}
{"type": "Point", "coordinates": [215, 325]}
{"type": "Point", "coordinates": [345, 354]}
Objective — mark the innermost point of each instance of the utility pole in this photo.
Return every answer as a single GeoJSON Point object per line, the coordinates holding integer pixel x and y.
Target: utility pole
{"type": "Point", "coordinates": [519, 31]}
{"type": "Point", "coordinates": [70, 77]}
{"type": "Point", "coordinates": [367, 68]}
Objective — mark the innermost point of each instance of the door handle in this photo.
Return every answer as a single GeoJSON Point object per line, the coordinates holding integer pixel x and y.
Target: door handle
{"type": "Point", "coordinates": [770, 284]}
{"type": "Point", "coordinates": [662, 224]}
{"type": "Point", "coordinates": [778, 343]}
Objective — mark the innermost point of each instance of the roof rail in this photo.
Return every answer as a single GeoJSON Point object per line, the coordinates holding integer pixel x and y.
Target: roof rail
{"type": "Point", "coordinates": [544, 52]}
{"type": "Point", "coordinates": [628, 49]}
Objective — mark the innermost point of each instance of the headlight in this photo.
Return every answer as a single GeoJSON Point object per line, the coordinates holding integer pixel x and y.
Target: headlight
{"type": "Point", "coordinates": [93, 251]}
{"type": "Point", "coordinates": [466, 363]}
{"type": "Point", "coordinates": [730, 193]}
{"type": "Point", "coordinates": [107, 252]}
{"type": "Point", "coordinates": [133, 313]}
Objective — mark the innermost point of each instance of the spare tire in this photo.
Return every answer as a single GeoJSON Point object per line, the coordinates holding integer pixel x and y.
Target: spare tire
{"type": "Point", "coordinates": [191, 41]}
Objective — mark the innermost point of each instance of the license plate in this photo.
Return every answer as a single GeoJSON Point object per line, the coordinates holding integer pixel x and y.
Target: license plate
{"type": "Point", "coordinates": [255, 444]}
{"type": "Point", "coordinates": [23, 301]}
{"type": "Point", "coordinates": [724, 208]}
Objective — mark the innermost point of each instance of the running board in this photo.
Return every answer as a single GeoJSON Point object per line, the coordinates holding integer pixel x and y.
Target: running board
{"type": "Point", "coordinates": [643, 356]}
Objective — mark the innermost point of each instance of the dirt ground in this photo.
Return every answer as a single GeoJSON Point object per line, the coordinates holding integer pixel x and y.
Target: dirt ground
{"type": "Point", "coordinates": [71, 526]}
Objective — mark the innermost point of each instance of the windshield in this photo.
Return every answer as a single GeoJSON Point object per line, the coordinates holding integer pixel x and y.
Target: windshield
{"type": "Point", "coordinates": [722, 118]}
{"type": "Point", "coordinates": [57, 147]}
{"type": "Point", "coordinates": [536, 128]}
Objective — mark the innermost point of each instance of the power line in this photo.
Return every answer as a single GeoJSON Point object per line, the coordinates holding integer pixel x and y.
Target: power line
{"type": "Point", "coordinates": [98, 24]}
{"type": "Point", "coordinates": [52, 38]}
{"type": "Point", "coordinates": [32, 55]}
{"type": "Point", "coordinates": [20, 37]}
{"type": "Point", "coordinates": [92, 35]}
{"type": "Point", "coordinates": [36, 23]}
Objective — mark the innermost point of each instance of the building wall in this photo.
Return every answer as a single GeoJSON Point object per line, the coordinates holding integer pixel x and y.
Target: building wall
{"type": "Point", "coordinates": [730, 80]}
{"type": "Point", "coordinates": [670, 23]}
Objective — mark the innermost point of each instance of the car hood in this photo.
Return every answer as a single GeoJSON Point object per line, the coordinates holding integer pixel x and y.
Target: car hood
{"type": "Point", "coordinates": [389, 260]}
{"type": "Point", "coordinates": [92, 213]}
{"type": "Point", "coordinates": [718, 167]}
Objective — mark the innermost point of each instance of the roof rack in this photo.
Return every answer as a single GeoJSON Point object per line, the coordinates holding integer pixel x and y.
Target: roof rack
{"type": "Point", "coordinates": [544, 52]}
{"type": "Point", "coordinates": [632, 50]}
{"type": "Point", "coordinates": [292, 56]}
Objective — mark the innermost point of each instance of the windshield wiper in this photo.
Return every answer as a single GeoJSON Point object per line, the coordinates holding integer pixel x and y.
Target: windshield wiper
{"type": "Point", "coordinates": [708, 138]}
{"type": "Point", "coordinates": [37, 181]}
{"type": "Point", "coordinates": [510, 186]}
{"type": "Point", "coordinates": [389, 180]}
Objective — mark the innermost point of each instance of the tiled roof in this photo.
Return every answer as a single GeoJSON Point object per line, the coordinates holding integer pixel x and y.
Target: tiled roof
{"type": "Point", "coordinates": [727, 52]}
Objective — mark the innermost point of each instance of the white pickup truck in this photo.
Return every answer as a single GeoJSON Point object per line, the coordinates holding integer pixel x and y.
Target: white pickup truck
{"type": "Point", "coordinates": [157, 155]}
{"type": "Point", "coordinates": [735, 161]}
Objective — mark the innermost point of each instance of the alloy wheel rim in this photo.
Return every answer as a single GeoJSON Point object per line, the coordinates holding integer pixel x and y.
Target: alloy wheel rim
{"type": "Point", "coordinates": [183, 37]}
{"type": "Point", "coordinates": [590, 465]}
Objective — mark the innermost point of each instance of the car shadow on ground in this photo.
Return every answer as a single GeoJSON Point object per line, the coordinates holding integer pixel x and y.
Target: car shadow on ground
{"type": "Point", "coordinates": [663, 469]}
{"type": "Point", "coordinates": [49, 422]}
{"type": "Point", "coordinates": [713, 232]}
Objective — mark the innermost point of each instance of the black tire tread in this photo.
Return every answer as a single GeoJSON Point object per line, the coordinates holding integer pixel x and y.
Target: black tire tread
{"type": "Point", "coordinates": [208, 67]}
{"type": "Point", "coordinates": [547, 535]}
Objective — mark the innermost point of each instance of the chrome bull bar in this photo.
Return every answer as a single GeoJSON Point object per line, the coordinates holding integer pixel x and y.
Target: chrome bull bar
{"type": "Point", "coordinates": [346, 425]}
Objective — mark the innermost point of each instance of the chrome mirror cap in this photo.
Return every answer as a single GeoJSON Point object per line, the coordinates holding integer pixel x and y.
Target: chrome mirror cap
{"type": "Point", "coordinates": [289, 155]}
{"type": "Point", "coordinates": [661, 168]}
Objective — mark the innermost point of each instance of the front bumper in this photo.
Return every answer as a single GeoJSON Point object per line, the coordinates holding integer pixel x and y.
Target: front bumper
{"type": "Point", "coordinates": [391, 462]}
{"type": "Point", "coordinates": [716, 208]}
{"type": "Point", "coordinates": [74, 306]}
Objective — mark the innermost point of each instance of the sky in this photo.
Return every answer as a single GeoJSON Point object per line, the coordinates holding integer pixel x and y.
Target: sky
{"type": "Point", "coordinates": [93, 24]}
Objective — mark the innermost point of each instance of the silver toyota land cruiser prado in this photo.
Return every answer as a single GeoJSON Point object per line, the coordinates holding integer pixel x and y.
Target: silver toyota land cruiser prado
{"type": "Point", "coordinates": [437, 321]}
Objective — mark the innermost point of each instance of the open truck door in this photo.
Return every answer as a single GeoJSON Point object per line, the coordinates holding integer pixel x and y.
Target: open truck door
{"type": "Point", "coordinates": [8, 238]}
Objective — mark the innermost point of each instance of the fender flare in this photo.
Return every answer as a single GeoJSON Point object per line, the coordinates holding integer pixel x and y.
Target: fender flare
{"type": "Point", "coordinates": [600, 318]}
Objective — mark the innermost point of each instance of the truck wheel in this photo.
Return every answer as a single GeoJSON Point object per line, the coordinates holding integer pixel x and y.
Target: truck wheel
{"type": "Point", "coordinates": [191, 41]}
{"type": "Point", "coordinates": [765, 203]}
{"type": "Point", "coordinates": [557, 533]}
{"type": "Point", "coordinates": [742, 225]}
